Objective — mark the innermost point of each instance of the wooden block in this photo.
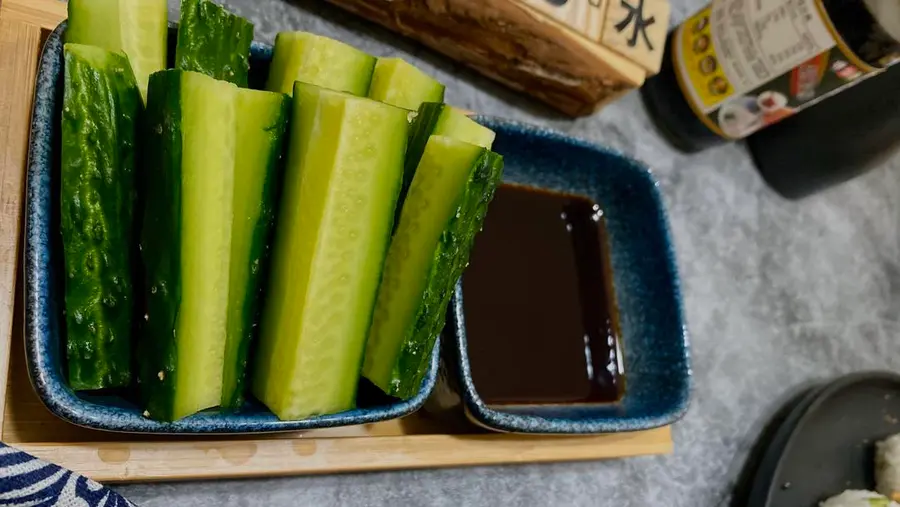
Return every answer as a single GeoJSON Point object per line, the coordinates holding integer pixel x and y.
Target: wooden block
{"type": "Point", "coordinates": [583, 16]}
{"type": "Point", "coordinates": [637, 29]}
{"type": "Point", "coordinates": [514, 43]}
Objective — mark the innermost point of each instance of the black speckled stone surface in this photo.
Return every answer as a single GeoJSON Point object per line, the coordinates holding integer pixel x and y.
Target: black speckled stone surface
{"type": "Point", "coordinates": [776, 293]}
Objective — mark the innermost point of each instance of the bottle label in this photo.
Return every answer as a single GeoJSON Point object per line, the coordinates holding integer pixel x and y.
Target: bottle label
{"type": "Point", "coordinates": [745, 64]}
{"type": "Point", "coordinates": [636, 29]}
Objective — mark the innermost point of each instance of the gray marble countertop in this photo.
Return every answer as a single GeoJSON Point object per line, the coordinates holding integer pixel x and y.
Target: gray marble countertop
{"type": "Point", "coordinates": [777, 293]}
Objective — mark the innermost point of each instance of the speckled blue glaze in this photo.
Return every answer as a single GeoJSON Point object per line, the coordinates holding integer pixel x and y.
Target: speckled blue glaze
{"type": "Point", "coordinates": [44, 298]}
{"type": "Point", "coordinates": [645, 277]}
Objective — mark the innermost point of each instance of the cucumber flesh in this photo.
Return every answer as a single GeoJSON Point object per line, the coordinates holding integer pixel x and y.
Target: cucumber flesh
{"type": "Point", "coordinates": [439, 120]}
{"type": "Point", "coordinates": [454, 123]}
{"type": "Point", "coordinates": [136, 27]}
{"type": "Point", "coordinates": [434, 119]}
{"type": "Point", "coordinates": [96, 23]}
{"type": "Point", "coordinates": [208, 123]}
{"type": "Point", "coordinates": [341, 184]}
{"type": "Point", "coordinates": [444, 209]}
{"type": "Point", "coordinates": [101, 103]}
{"type": "Point", "coordinates": [400, 84]}
{"type": "Point", "coordinates": [144, 37]}
{"type": "Point", "coordinates": [214, 42]}
{"type": "Point", "coordinates": [451, 259]}
{"type": "Point", "coordinates": [320, 61]}
{"type": "Point", "coordinates": [186, 241]}
{"type": "Point", "coordinates": [433, 198]}
{"type": "Point", "coordinates": [261, 123]}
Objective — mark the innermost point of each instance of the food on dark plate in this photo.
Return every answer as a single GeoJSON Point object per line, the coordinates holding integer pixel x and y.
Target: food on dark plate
{"type": "Point", "coordinates": [887, 467]}
{"type": "Point", "coordinates": [858, 498]}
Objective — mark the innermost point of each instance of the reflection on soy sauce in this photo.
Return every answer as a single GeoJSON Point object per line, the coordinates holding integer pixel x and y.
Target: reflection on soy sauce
{"type": "Point", "coordinates": [540, 317]}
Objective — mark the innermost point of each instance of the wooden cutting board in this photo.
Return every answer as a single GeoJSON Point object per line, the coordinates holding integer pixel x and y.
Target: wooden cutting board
{"type": "Point", "coordinates": [413, 442]}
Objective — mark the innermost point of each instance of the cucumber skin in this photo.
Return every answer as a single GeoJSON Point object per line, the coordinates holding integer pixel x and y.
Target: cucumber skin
{"type": "Point", "coordinates": [162, 260]}
{"type": "Point", "coordinates": [214, 42]}
{"type": "Point", "coordinates": [450, 260]}
{"type": "Point", "coordinates": [101, 109]}
{"type": "Point", "coordinates": [251, 311]}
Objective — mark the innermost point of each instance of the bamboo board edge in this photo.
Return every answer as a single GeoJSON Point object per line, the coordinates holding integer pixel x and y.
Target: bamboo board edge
{"type": "Point", "coordinates": [121, 462]}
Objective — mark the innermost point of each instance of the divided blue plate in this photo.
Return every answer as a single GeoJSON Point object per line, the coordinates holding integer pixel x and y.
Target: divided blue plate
{"type": "Point", "coordinates": [44, 299]}
{"type": "Point", "coordinates": [645, 278]}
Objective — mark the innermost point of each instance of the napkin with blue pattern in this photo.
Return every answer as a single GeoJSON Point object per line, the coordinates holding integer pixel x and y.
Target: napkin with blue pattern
{"type": "Point", "coordinates": [28, 481]}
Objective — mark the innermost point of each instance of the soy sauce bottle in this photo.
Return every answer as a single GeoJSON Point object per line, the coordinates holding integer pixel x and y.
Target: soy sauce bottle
{"type": "Point", "coordinates": [739, 66]}
{"type": "Point", "coordinates": [832, 142]}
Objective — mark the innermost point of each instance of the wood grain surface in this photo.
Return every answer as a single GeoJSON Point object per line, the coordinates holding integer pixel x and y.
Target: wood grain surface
{"type": "Point", "coordinates": [515, 44]}
{"type": "Point", "coordinates": [19, 47]}
{"type": "Point", "coordinates": [44, 14]}
{"type": "Point", "coordinates": [583, 16]}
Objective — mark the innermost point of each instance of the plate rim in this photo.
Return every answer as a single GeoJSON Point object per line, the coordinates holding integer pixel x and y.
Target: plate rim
{"type": "Point", "coordinates": [826, 391]}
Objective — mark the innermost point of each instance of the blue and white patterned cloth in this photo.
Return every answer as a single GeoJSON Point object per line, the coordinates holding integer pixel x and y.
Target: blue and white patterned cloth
{"type": "Point", "coordinates": [26, 481]}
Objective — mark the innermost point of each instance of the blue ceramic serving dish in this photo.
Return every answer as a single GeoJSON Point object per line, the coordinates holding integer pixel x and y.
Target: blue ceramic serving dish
{"type": "Point", "coordinates": [644, 276]}
{"type": "Point", "coordinates": [645, 279]}
{"type": "Point", "coordinates": [44, 296]}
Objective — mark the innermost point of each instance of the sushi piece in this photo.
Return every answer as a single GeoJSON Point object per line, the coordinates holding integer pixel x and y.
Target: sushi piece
{"type": "Point", "coordinates": [858, 498]}
{"type": "Point", "coordinates": [887, 467]}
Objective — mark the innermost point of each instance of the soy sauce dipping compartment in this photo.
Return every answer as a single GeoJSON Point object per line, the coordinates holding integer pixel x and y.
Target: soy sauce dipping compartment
{"type": "Point", "coordinates": [640, 279]}
{"type": "Point", "coordinates": [540, 309]}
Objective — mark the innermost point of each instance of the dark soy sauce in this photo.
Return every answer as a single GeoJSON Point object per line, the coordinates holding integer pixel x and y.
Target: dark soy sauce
{"type": "Point", "coordinates": [540, 317]}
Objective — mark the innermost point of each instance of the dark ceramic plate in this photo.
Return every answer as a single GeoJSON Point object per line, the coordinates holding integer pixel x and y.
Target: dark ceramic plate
{"type": "Point", "coordinates": [44, 299]}
{"type": "Point", "coordinates": [759, 470]}
{"type": "Point", "coordinates": [653, 333]}
{"type": "Point", "coordinates": [832, 446]}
